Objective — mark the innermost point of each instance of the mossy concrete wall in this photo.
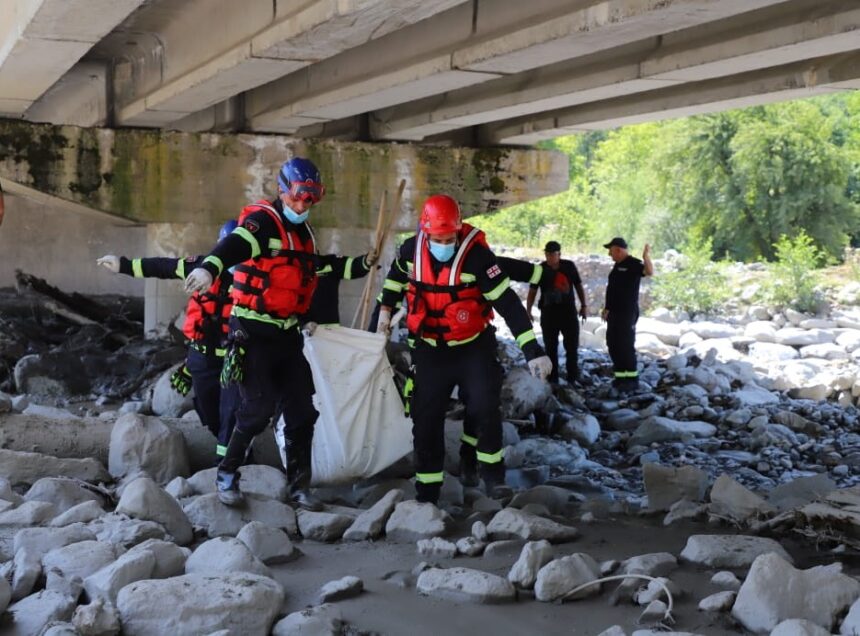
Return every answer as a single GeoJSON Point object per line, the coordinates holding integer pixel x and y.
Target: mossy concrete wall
{"type": "Point", "coordinates": [182, 186]}
{"type": "Point", "coordinates": [152, 176]}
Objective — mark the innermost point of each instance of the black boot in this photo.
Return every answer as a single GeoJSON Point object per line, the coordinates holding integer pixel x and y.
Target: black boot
{"type": "Point", "coordinates": [227, 479]}
{"type": "Point", "coordinates": [427, 493]}
{"type": "Point", "coordinates": [468, 466]}
{"type": "Point", "coordinates": [495, 487]}
{"type": "Point", "coordinates": [299, 476]}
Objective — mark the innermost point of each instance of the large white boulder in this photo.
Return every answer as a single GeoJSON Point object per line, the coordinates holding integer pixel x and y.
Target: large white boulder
{"type": "Point", "coordinates": [148, 445]}
{"type": "Point", "coordinates": [774, 591]}
{"type": "Point", "coordinates": [729, 550]}
{"type": "Point", "coordinates": [200, 604]}
{"type": "Point", "coordinates": [465, 584]}
{"type": "Point", "coordinates": [144, 499]}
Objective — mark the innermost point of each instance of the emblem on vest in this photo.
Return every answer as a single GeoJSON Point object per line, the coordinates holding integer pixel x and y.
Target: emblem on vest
{"type": "Point", "coordinates": [463, 316]}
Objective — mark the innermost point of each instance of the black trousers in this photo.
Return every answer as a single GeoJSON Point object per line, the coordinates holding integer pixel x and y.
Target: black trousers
{"type": "Point", "coordinates": [555, 321]}
{"type": "Point", "coordinates": [475, 370]}
{"type": "Point", "coordinates": [621, 342]}
{"type": "Point", "coordinates": [276, 380]}
{"type": "Point", "coordinates": [215, 405]}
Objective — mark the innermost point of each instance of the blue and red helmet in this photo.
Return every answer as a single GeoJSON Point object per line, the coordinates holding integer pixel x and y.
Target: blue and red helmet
{"type": "Point", "coordinates": [300, 178]}
{"type": "Point", "coordinates": [227, 228]}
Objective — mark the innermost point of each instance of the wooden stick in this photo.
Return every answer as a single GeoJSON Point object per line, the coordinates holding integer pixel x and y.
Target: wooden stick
{"type": "Point", "coordinates": [393, 213]}
{"type": "Point", "coordinates": [367, 284]}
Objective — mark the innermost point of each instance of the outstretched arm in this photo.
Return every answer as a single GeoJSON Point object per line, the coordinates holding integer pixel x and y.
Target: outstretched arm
{"type": "Point", "coordinates": [646, 259]}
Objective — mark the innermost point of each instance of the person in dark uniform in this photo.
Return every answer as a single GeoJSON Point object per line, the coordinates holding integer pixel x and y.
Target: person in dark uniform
{"type": "Point", "coordinates": [275, 256]}
{"type": "Point", "coordinates": [452, 284]}
{"type": "Point", "coordinates": [205, 327]}
{"type": "Point", "coordinates": [558, 310]}
{"type": "Point", "coordinates": [621, 310]}
{"type": "Point", "coordinates": [325, 305]}
{"type": "Point", "coordinates": [518, 271]}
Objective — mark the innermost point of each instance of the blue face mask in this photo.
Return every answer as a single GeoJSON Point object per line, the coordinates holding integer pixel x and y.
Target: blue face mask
{"type": "Point", "coordinates": [293, 217]}
{"type": "Point", "coordinates": [441, 251]}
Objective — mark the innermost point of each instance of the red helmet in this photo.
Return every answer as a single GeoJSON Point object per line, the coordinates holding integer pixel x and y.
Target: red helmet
{"type": "Point", "coordinates": [440, 215]}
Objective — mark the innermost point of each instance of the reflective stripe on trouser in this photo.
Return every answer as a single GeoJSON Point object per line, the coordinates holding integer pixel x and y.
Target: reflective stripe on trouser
{"type": "Point", "coordinates": [562, 322]}
{"type": "Point", "coordinates": [621, 342]}
{"type": "Point", "coordinates": [475, 369]}
{"type": "Point", "coordinates": [277, 378]}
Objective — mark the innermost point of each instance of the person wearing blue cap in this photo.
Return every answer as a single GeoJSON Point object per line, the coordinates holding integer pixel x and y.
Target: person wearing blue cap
{"type": "Point", "coordinates": [205, 327]}
{"type": "Point", "coordinates": [621, 310]}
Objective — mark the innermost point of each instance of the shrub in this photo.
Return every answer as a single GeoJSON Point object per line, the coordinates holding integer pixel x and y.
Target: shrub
{"type": "Point", "coordinates": [794, 281]}
{"type": "Point", "coordinates": [698, 287]}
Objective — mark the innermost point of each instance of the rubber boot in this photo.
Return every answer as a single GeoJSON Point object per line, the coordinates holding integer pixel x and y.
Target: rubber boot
{"type": "Point", "coordinates": [468, 466]}
{"type": "Point", "coordinates": [427, 493]}
{"type": "Point", "coordinates": [227, 478]}
{"type": "Point", "coordinates": [299, 476]}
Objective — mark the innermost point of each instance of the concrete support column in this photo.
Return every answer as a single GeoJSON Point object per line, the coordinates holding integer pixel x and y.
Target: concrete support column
{"type": "Point", "coordinates": [165, 299]}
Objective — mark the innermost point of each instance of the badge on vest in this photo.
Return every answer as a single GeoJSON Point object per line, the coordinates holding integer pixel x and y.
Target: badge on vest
{"type": "Point", "coordinates": [463, 316]}
{"type": "Point", "coordinates": [252, 226]}
{"type": "Point", "coordinates": [494, 271]}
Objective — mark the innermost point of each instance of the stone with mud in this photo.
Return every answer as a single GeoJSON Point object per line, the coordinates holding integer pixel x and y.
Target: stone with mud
{"type": "Point", "coordinates": [465, 585]}
{"type": "Point", "coordinates": [222, 555]}
{"type": "Point", "coordinates": [256, 479]}
{"type": "Point", "coordinates": [559, 577]}
{"type": "Point", "coordinates": [322, 526]}
{"type": "Point", "coordinates": [412, 521]}
{"type": "Point", "coordinates": [166, 401]}
{"type": "Point", "coordinates": [146, 444]}
{"type": "Point", "coordinates": [20, 467]}
{"type": "Point", "coordinates": [437, 547]}
{"type": "Point", "coordinates": [511, 523]}
{"type": "Point", "coordinates": [371, 522]}
{"type": "Point", "coordinates": [63, 493]}
{"type": "Point", "coordinates": [81, 559]}
{"type": "Point", "coordinates": [321, 620]}
{"type": "Point", "coordinates": [774, 590]}
{"type": "Point", "coordinates": [731, 499]}
{"type": "Point", "coordinates": [665, 485]}
{"type": "Point", "coordinates": [729, 550]}
{"type": "Point", "coordinates": [32, 614]}
{"type": "Point", "coordinates": [98, 618]}
{"type": "Point", "coordinates": [200, 604]}
{"type": "Point", "coordinates": [534, 556]}
{"type": "Point", "coordinates": [470, 546]}
{"type": "Point", "coordinates": [799, 627]}
{"type": "Point", "coordinates": [554, 498]}
{"type": "Point", "coordinates": [719, 602]}
{"type": "Point", "coordinates": [82, 513]}
{"type": "Point", "coordinates": [144, 499]}
{"type": "Point", "coordinates": [215, 519]}
{"type": "Point", "coordinates": [122, 529]}
{"type": "Point", "coordinates": [271, 545]}
{"type": "Point", "coordinates": [341, 589]}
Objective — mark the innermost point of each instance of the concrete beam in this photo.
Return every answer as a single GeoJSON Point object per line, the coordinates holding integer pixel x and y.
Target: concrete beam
{"type": "Point", "coordinates": [260, 46]}
{"type": "Point", "coordinates": [40, 40]}
{"type": "Point", "coordinates": [754, 41]}
{"type": "Point", "coordinates": [467, 46]}
{"type": "Point", "coordinates": [792, 81]}
{"type": "Point", "coordinates": [171, 177]}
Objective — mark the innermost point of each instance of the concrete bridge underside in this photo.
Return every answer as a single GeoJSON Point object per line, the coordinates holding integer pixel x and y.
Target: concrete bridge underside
{"type": "Point", "coordinates": [144, 123]}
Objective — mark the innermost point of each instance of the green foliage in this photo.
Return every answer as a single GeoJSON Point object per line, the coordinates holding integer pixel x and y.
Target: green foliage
{"type": "Point", "coordinates": [793, 279]}
{"type": "Point", "coordinates": [742, 178]}
{"type": "Point", "coordinates": [698, 287]}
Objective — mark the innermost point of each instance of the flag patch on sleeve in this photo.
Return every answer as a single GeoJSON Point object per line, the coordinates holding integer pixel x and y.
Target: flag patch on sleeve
{"type": "Point", "coordinates": [494, 271]}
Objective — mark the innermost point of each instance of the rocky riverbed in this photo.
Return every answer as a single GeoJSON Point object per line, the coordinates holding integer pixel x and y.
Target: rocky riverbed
{"type": "Point", "coordinates": [729, 480]}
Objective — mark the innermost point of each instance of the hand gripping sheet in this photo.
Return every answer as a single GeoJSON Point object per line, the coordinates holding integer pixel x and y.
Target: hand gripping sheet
{"type": "Point", "coordinates": [361, 429]}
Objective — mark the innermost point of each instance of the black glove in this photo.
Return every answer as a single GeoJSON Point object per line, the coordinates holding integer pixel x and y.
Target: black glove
{"type": "Point", "coordinates": [181, 381]}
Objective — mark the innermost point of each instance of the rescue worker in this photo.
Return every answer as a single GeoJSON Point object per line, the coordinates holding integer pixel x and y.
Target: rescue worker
{"type": "Point", "coordinates": [205, 327]}
{"type": "Point", "coordinates": [452, 283]}
{"type": "Point", "coordinates": [275, 255]}
{"type": "Point", "coordinates": [331, 269]}
{"type": "Point", "coordinates": [522, 272]}
{"type": "Point", "coordinates": [558, 310]}
{"type": "Point", "coordinates": [621, 310]}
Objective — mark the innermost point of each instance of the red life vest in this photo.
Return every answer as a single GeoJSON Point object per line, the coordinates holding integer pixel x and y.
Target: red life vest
{"type": "Point", "coordinates": [207, 314]}
{"type": "Point", "coordinates": [441, 306]}
{"type": "Point", "coordinates": [280, 282]}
